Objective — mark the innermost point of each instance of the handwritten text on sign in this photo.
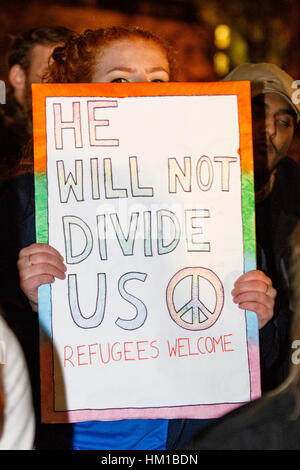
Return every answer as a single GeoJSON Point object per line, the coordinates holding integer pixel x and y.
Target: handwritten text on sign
{"type": "Point", "coordinates": [144, 203]}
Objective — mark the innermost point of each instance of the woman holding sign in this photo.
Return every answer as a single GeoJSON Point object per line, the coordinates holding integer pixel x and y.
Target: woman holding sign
{"type": "Point", "coordinates": [120, 55]}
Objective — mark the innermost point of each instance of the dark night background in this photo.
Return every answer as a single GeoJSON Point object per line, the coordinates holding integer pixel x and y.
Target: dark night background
{"type": "Point", "coordinates": [265, 30]}
{"type": "Point", "coordinates": [211, 36]}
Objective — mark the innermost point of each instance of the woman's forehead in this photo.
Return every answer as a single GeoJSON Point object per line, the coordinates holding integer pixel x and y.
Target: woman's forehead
{"type": "Point", "coordinates": [133, 44]}
{"type": "Point", "coordinates": [131, 53]}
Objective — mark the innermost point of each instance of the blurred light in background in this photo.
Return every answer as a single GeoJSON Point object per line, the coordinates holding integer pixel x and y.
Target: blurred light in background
{"type": "Point", "coordinates": [222, 36]}
{"type": "Point", "coordinates": [221, 63]}
{"type": "Point", "coordinates": [222, 41]}
{"type": "Point", "coordinates": [238, 51]}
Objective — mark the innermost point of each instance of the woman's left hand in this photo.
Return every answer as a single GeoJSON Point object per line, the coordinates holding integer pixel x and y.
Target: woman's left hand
{"type": "Point", "coordinates": [254, 291]}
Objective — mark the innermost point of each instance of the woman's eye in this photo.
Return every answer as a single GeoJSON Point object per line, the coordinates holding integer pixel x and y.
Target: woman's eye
{"type": "Point", "coordinates": [157, 80]}
{"type": "Point", "coordinates": [119, 80]}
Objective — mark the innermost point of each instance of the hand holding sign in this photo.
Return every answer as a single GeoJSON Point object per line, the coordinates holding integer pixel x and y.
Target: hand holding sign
{"type": "Point", "coordinates": [38, 264]}
{"type": "Point", "coordinates": [254, 291]}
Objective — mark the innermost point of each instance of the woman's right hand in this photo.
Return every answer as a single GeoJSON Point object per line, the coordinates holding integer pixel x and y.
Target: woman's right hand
{"type": "Point", "coordinates": [39, 264]}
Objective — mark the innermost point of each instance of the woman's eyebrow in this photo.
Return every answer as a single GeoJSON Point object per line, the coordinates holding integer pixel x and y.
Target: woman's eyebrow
{"type": "Point", "coordinates": [120, 68]}
{"type": "Point", "coordinates": [157, 69]}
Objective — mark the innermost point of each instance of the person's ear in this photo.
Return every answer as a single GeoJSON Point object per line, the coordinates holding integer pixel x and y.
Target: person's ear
{"type": "Point", "coordinates": [17, 77]}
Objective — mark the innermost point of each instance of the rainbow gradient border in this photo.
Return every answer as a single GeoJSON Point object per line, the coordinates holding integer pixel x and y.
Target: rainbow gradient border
{"type": "Point", "coordinates": [40, 92]}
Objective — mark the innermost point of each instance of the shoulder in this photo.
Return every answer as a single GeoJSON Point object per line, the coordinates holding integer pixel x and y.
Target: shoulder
{"type": "Point", "coordinates": [18, 192]}
{"type": "Point", "coordinates": [252, 426]}
{"type": "Point", "coordinates": [17, 211]}
{"type": "Point", "coordinates": [288, 171]}
{"type": "Point", "coordinates": [19, 424]}
{"type": "Point", "coordinates": [287, 186]}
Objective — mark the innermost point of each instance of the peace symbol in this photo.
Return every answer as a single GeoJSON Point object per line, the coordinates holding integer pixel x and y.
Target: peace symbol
{"type": "Point", "coordinates": [202, 317]}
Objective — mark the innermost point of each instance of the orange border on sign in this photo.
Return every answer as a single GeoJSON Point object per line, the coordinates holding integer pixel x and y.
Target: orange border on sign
{"type": "Point", "coordinates": [42, 91]}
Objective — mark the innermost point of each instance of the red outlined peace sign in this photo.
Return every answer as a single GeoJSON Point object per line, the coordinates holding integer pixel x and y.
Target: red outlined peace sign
{"type": "Point", "coordinates": [202, 317]}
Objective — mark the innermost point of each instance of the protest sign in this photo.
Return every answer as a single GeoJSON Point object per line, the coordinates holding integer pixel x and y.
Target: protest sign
{"type": "Point", "coordinates": [147, 192]}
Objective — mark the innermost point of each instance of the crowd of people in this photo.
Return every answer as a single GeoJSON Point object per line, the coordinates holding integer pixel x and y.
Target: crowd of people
{"type": "Point", "coordinates": [119, 55]}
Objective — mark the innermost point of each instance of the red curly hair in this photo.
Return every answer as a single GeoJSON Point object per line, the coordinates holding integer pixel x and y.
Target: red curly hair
{"type": "Point", "coordinates": [75, 61]}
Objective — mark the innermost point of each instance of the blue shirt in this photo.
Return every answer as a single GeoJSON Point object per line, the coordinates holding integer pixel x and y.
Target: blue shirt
{"type": "Point", "coordinates": [129, 434]}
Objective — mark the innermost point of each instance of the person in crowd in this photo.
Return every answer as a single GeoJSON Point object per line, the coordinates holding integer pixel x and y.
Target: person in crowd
{"type": "Point", "coordinates": [17, 421]}
{"type": "Point", "coordinates": [277, 204]}
{"type": "Point", "coordinates": [271, 422]}
{"type": "Point", "coordinates": [2, 400]}
{"type": "Point", "coordinates": [277, 198]}
{"type": "Point", "coordinates": [28, 58]}
{"type": "Point", "coordinates": [118, 55]}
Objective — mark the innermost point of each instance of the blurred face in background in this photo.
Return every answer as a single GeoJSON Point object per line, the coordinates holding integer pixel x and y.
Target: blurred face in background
{"type": "Point", "coordinates": [39, 60]}
{"type": "Point", "coordinates": [273, 131]}
{"type": "Point", "coordinates": [22, 79]}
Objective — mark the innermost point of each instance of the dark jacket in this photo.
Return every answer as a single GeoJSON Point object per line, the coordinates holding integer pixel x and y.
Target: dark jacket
{"type": "Point", "coordinates": [266, 424]}
{"type": "Point", "coordinates": [281, 211]}
{"type": "Point", "coordinates": [276, 218]}
{"type": "Point", "coordinates": [15, 131]}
